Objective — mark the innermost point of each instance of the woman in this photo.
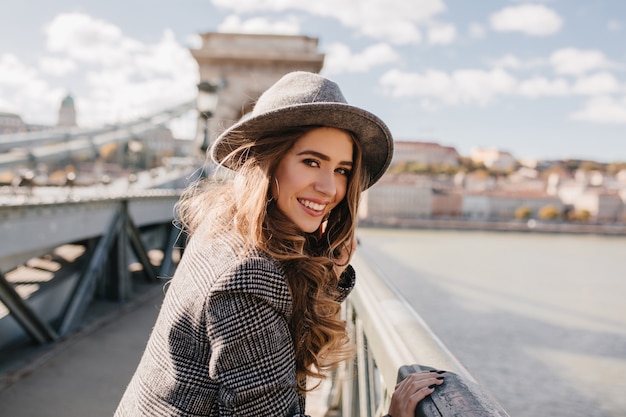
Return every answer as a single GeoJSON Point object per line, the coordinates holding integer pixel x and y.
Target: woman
{"type": "Point", "coordinates": [253, 309]}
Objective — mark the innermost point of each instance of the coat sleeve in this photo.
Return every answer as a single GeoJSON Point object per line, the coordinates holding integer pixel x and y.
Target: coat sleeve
{"type": "Point", "coordinates": [252, 356]}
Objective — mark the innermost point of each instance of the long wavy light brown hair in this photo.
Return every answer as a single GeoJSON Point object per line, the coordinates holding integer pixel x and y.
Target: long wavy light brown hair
{"type": "Point", "coordinates": [244, 204]}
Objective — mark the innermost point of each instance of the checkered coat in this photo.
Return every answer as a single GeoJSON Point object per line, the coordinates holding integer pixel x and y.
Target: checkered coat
{"type": "Point", "coordinates": [221, 345]}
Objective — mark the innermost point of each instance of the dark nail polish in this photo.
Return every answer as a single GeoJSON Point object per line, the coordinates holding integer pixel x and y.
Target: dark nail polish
{"type": "Point", "coordinates": [432, 386]}
{"type": "Point", "coordinates": [433, 370]}
{"type": "Point", "coordinates": [441, 372]}
{"type": "Point", "coordinates": [440, 378]}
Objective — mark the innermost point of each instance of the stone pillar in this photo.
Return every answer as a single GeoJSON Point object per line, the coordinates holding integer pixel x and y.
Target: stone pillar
{"type": "Point", "coordinates": [246, 65]}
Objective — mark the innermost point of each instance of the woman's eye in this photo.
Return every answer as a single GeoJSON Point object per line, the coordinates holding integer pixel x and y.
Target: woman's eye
{"type": "Point", "coordinates": [312, 162]}
{"type": "Point", "coordinates": [344, 171]}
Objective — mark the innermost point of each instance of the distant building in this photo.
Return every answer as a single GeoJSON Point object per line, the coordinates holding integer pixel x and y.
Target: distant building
{"type": "Point", "coordinates": [447, 203]}
{"type": "Point", "coordinates": [394, 198]}
{"type": "Point", "coordinates": [502, 205]}
{"type": "Point", "coordinates": [428, 153]}
{"type": "Point", "coordinates": [67, 112]}
{"type": "Point", "coordinates": [11, 123]}
{"type": "Point", "coordinates": [493, 158]}
{"type": "Point", "coordinates": [474, 181]}
{"type": "Point", "coordinates": [602, 205]}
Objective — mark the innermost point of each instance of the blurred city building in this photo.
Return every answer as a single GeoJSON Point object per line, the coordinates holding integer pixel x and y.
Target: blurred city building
{"type": "Point", "coordinates": [429, 153]}
{"type": "Point", "coordinates": [67, 112]}
{"type": "Point", "coordinates": [11, 123]}
{"type": "Point", "coordinates": [493, 158]}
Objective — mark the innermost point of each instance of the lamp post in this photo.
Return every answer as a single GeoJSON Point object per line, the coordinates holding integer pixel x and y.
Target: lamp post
{"type": "Point", "coordinates": [207, 103]}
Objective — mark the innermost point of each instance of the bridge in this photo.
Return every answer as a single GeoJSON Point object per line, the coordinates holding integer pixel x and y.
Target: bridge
{"type": "Point", "coordinates": [74, 259]}
{"type": "Point", "coordinates": [65, 258]}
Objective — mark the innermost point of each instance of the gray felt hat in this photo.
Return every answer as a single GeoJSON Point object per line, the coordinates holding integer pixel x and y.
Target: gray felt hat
{"type": "Point", "coordinates": [304, 99]}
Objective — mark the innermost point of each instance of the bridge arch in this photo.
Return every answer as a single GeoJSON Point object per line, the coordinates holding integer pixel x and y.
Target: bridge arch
{"type": "Point", "coordinates": [246, 65]}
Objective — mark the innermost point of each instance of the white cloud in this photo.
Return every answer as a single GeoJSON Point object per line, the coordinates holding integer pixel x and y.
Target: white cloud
{"type": "Point", "coordinates": [511, 61]}
{"type": "Point", "coordinates": [606, 110]}
{"type": "Point", "coordinates": [156, 78]}
{"type": "Point", "coordinates": [471, 86]}
{"type": "Point", "coordinates": [542, 87]}
{"type": "Point", "coordinates": [396, 21]}
{"type": "Point", "coordinates": [166, 58]}
{"type": "Point", "coordinates": [443, 33]}
{"type": "Point", "coordinates": [398, 32]}
{"type": "Point", "coordinates": [14, 73]}
{"type": "Point", "coordinates": [340, 59]}
{"type": "Point", "coordinates": [121, 77]}
{"type": "Point", "coordinates": [57, 66]}
{"type": "Point", "coordinates": [602, 83]}
{"type": "Point", "coordinates": [507, 61]}
{"type": "Point", "coordinates": [614, 25]}
{"type": "Point", "coordinates": [194, 41]}
{"type": "Point", "coordinates": [90, 40]}
{"type": "Point", "coordinates": [577, 62]}
{"type": "Point", "coordinates": [24, 88]}
{"type": "Point", "coordinates": [260, 25]}
{"type": "Point", "coordinates": [415, 10]}
{"type": "Point", "coordinates": [477, 31]}
{"type": "Point", "coordinates": [436, 89]}
{"type": "Point", "coordinates": [531, 19]}
{"type": "Point", "coordinates": [460, 87]}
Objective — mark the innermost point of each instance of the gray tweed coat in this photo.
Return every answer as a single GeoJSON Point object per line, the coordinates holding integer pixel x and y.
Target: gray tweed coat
{"type": "Point", "coordinates": [221, 344]}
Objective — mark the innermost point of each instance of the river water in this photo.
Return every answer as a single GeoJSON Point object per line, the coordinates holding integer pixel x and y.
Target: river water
{"type": "Point", "coordinates": [538, 319]}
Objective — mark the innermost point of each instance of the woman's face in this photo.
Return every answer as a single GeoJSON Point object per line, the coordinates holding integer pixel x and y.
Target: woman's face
{"type": "Point", "coordinates": [313, 176]}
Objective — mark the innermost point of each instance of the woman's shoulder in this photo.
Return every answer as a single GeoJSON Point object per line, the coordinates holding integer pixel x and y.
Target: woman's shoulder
{"type": "Point", "coordinates": [259, 276]}
{"type": "Point", "coordinates": [252, 271]}
{"type": "Point", "coordinates": [228, 265]}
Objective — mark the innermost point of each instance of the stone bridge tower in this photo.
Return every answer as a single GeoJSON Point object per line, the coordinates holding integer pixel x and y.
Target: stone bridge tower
{"type": "Point", "coordinates": [244, 66]}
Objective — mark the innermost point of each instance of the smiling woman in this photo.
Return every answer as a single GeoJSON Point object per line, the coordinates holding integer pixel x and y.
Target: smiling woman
{"type": "Point", "coordinates": [254, 307]}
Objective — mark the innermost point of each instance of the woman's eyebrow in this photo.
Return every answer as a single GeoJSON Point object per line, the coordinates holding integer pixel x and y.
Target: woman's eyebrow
{"type": "Point", "coordinates": [322, 156]}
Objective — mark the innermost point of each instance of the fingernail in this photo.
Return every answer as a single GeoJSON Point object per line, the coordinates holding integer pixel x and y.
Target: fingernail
{"type": "Point", "coordinates": [441, 372]}
{"type": "Point", "coordinates": [434, 370]}
{"type": "Point", "coordinates": [432, 386]}
{"type": "Point", "coordinates": [440, 378]}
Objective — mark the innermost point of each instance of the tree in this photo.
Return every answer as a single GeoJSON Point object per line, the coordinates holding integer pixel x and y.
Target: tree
{"type": "Point", "coordinates": [549, 212]}
{"type": "Point", "coordinates": [583, 215]}
{"type": "Point", "coordinates": [523, 213]}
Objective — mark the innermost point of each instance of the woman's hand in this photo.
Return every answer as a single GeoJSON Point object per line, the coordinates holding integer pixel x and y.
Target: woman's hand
{"type": "Point", "coordinates": [413, 389]}
{"type": "Point", "coordinates": [345, 254]}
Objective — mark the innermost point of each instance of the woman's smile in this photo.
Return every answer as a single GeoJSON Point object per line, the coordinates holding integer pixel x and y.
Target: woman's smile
{"type": "Point", "coordinates": [316, 207]}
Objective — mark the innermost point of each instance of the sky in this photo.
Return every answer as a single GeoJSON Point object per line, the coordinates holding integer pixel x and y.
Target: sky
{"type": "Point", "coordinates": [539, 79]}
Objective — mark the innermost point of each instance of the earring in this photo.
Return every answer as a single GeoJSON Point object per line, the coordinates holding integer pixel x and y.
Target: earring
{"type": "Point", "coordinates": [277, 187]}
{"type": "Point", "coordinates": [322, 229]}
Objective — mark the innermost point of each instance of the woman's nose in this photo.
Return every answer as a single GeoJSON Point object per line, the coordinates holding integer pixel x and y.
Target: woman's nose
{"type": "Point", "coordinates": [326, 183]}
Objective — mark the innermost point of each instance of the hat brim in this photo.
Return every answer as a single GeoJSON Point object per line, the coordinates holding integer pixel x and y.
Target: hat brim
{"type": "Point", "coordinates": [374, 136]}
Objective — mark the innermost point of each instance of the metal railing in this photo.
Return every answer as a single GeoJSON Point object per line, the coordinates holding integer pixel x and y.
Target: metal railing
{"type": "Point", "coordinates": [113, 233]}
{"type": "Point", "coordinates": [393, 341]}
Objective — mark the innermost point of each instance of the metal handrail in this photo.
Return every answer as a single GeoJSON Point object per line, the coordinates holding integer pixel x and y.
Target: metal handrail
{"type": "Point", "coordinates": [393, 341]}
{"type": "Point", "coordinates": [104, 271]}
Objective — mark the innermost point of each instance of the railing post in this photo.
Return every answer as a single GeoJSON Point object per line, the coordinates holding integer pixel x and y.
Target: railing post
{"type": "Point", "coordinates": [120, 282]}
{"type": "Point", "coordinates": [175, 235]}
{"type": "Point", "coordinates": [86, 286]}
{"type": "Point", "coordinates": [131, 235]}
